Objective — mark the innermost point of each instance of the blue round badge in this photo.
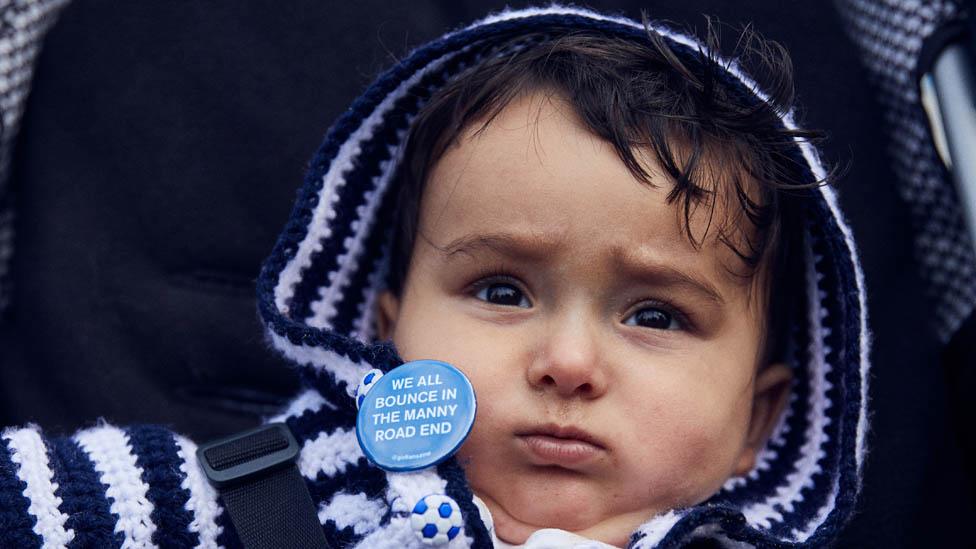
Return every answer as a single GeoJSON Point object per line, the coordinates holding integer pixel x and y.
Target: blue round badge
{"type": "Point", "coordinates": [415, 416]}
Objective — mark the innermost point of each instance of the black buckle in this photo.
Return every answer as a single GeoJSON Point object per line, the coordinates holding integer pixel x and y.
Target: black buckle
{"type": "Point", "coordinates": [233, 459]}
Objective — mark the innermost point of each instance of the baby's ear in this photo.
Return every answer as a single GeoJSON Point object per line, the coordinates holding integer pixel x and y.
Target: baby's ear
{"type": "Point", "coordinates": [770, 395]}
{"type": "Point", "coordinates": [387, 309]}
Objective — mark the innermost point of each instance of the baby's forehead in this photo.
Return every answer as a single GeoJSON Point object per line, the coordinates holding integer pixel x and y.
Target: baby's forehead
{"type": "Point", "coordinates": [537, 178]}
{"type": "Point", "coordinates": [716, 211]}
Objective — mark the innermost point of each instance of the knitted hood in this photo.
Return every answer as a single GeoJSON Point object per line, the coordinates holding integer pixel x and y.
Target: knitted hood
{"type": "Point", "coordinates": [317, 292]}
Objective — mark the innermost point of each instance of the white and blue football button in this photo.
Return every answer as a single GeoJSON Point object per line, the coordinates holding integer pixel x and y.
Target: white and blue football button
{"type": "Point", "coordinates": [415, 416]}
{"type": "Point", "coordinates": [436, 519]}
{"type": "Point", "coordinates": [367, 383]}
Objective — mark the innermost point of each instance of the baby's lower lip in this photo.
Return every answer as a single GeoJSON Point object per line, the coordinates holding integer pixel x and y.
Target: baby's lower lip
{"type": "Point", "coordinates": [566, 452]}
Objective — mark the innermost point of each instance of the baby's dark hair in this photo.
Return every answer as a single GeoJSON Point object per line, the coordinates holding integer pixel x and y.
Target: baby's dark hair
{"type": "Point", "coordinates": [708, 134]}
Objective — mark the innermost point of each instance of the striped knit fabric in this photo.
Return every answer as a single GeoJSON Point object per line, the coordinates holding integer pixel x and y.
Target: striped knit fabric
{"type": "Point", "coordinates": [23, 24]}
{"type": "Point", "coordinates": [889, 34]}
{"type": "Point", "coordinates": [141, 486]}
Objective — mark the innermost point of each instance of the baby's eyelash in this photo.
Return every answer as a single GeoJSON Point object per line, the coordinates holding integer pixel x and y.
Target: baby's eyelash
{"type": "Point", "coordinates": [487, 280]}
{"type": "Point", "coordinates": [683, 319]}
{"type": "Point", "coordinates": [492, 273]}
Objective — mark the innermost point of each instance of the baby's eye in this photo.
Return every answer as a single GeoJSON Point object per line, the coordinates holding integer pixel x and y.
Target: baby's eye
{"type": "Point", "coordinates": [653, 317]}
{"type": "Point", "coordinates": [502, 293]}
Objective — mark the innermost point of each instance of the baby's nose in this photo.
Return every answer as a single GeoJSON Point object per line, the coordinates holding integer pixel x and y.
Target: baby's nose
{"type": "Point", "coordinates": [569, 363]}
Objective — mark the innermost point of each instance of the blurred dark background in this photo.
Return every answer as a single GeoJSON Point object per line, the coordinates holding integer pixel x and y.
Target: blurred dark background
{"type": "Point", "coordinates": [159, 155]}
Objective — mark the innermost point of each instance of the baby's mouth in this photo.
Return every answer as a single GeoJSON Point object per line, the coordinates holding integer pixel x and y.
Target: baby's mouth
{"type": "Point", "coordinates": [563, 446]}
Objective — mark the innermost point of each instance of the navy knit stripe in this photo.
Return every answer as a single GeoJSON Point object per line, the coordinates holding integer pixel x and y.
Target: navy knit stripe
{"type": "Point", "coordinates": [844, 342]}
{"type": "Point", "coordinates": [730, 521]}
{"type": "Point", "coordinates": [815, 496]}
{"type": "Point", "coordinates": [16, 524]}
{"type": "Point", "coordinates": [325, 383]}
{"type": "Point", "coordinates": [382, 356]}
{"type": "Point", "coordinates": [849, 349]}
{"type": "Point", "coordinates": [360, 477]}
{"type": "Point", "coordinates": [157, 455]}
{"type": "Point", "coordinates": [677, 536]}
{"type": "Point", "coordinates": [635, 537]}
{"type": "Point", "coordinates": [458, 490]}
{"type": "Point", "coordinates": [340, 537]}
{"type": "Point", "coordinates": [83, 497]}
{"type": "Point", "coordinates": [311, 424]}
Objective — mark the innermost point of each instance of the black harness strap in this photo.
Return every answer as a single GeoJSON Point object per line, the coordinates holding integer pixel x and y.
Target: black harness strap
{"type": "Point", "coordinates": [256, 474]}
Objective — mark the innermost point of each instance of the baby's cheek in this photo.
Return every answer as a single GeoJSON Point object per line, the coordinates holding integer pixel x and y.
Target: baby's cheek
{"type": "Point", "coordinates": [691, 454]}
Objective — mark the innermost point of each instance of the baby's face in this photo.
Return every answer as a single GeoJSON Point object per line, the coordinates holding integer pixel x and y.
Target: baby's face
{"type": "Point", "coordinates": [615, 365]}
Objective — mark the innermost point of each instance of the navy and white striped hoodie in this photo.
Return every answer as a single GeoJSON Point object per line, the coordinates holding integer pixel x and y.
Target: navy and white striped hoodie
{"type": "Point", "coordinates": [141, 486]}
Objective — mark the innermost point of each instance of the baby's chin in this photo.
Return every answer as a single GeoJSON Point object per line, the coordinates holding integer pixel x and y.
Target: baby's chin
{"type": "Point", "coordinates": [516, 527]}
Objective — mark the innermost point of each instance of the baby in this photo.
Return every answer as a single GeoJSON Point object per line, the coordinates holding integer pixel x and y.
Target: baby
{"type": "Point", "coordinates": [622, 242]}
{"type": "Point", "coordinates": [613, 321]}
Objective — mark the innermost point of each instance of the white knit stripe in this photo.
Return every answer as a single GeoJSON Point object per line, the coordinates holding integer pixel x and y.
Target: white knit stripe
{"type": "Point", "coordinates": [655, 529]}
{"type": "Point", "coordinates": [355, 510]}
{"type": "Point", "coordinates": [406, 489]}
{"type": "Point", "coordinates": [324, 310]}
{"type": "Point", "coordinates": [397, 534]}
{"type": "Point", "coordinates": [329, 453]}
{"type": "Point", "coordinates": [109, 450]}
{"type": "Point", "coordinates": [320, 227]}
{"type": "Point", "coordinates": [308, 401]}
{"type": "Point", "coordinates": [28, 451]}
{"type": "Point", "coordinates": [344, 369]}
{"type": "Point", "coordinates": [202, 503]}
{"type": "Point", "coordinates": [811, 452]}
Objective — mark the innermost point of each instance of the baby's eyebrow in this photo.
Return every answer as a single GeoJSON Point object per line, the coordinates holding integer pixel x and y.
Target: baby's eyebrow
{"type": "Point", "coordinates": [636, 263]}
{"type": "Point", "coordinates": [515, 245]}
{"type": "Point", "coordinates": [663, 273]}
